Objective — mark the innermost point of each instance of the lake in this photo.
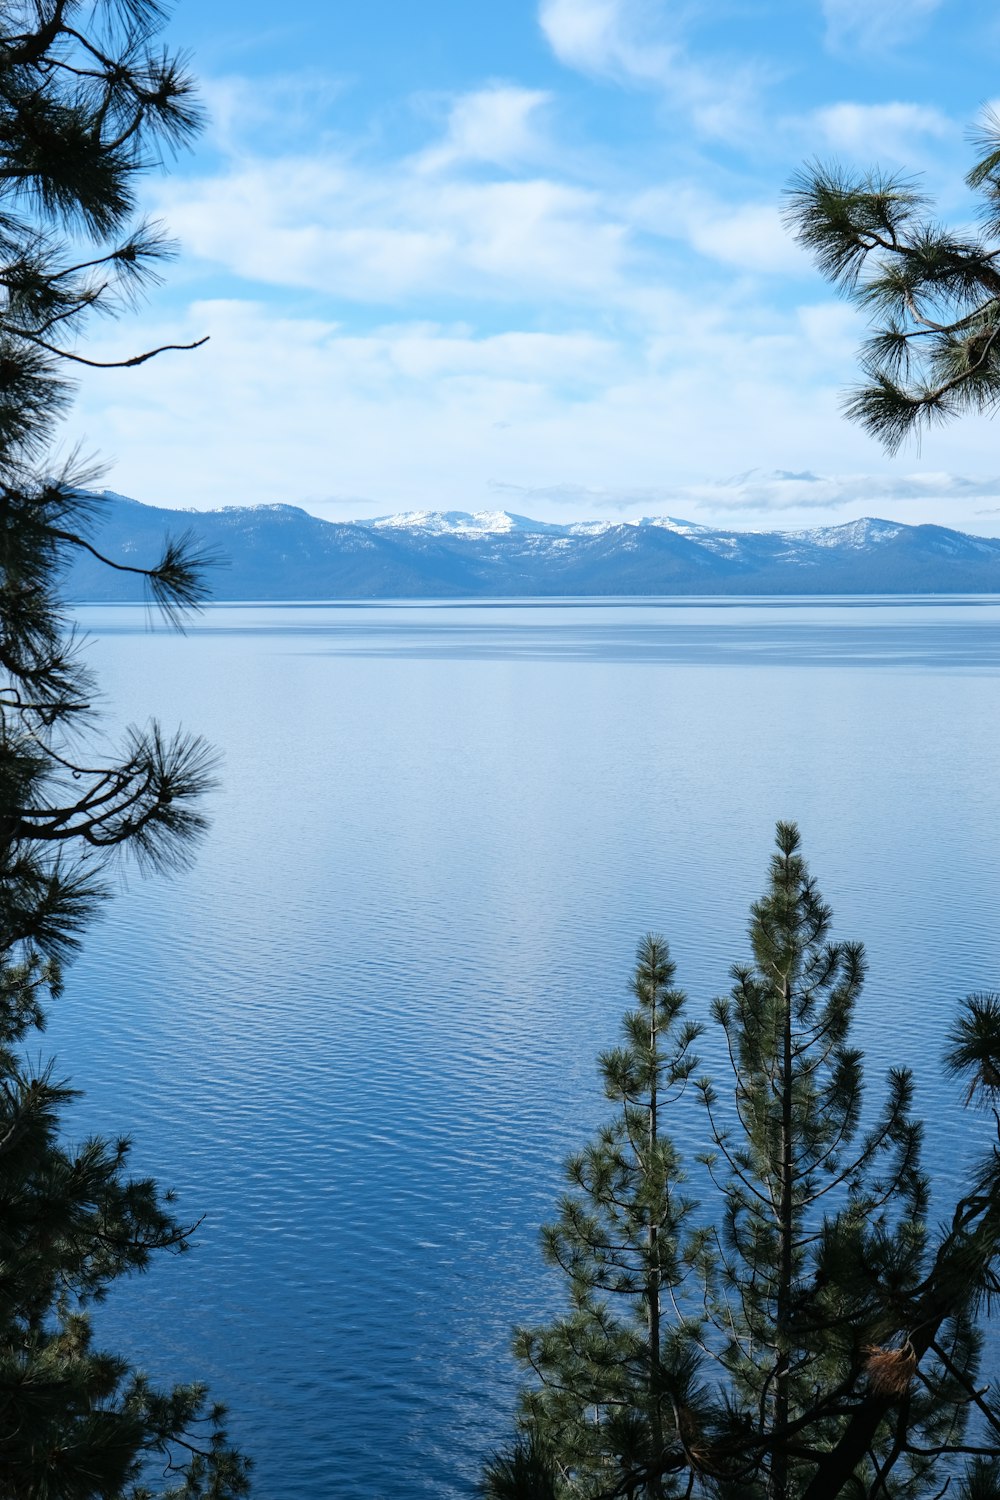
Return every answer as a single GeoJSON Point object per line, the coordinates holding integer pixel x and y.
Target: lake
{"type": "Point", "coordinates": [360, 1034]}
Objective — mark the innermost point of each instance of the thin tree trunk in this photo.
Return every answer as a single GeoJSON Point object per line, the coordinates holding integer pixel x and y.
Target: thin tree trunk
{"type": "Point", "coordinates": [653, 1274]}
{"type": "Point", "coordinates": [779, 1470]}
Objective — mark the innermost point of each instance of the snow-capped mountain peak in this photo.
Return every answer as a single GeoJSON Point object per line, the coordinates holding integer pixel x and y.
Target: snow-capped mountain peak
{"type": "Point", "coordinates": [461, 523]}
{"type": "Point", "coordinates": [868, 531]}
{"type": "Point", "coordinates": [507, 523]}
{"type": "Point", "coordinates": [281, 552]}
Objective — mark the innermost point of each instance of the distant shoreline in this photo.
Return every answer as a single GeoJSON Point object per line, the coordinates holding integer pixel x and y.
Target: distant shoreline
{"type": "Point", "coordinates": [281, 554]}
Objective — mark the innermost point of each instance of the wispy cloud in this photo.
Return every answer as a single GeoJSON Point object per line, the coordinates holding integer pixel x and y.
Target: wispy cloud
{"type": "Point", "coordinates": [896, 131]}
{"type": "Point", "coordinates": [498, 124]}
{"type": "Point", "coordinates": [755, 495]}
{"type": "Point", "coordinates": [608, 38]}
{"type": "Point", "coordinates": [580, 501]}
{"type": "Point", "coordinates": [329, 223]}
{"type": "Point", "coordinates": [250, 116]}
{"type": "Point", "coordinates": [489, 209]}
{"type": "Point", "coordinates": [633, 41]}
{"type": "Point", "coordinates": [873, 25]}
{"type": "Point", "coordinates": [422, 415]}
{"type": "Point", "coordinates": [783, 490]}
{"type": "Point", "coordinates": [748, 236]}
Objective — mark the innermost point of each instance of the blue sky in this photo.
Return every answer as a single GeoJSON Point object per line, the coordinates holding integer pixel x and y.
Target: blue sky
{"type": "Point", "coordinates": [528, 255]}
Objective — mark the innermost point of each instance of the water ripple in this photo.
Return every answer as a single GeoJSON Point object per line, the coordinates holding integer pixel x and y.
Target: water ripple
{"type": "Point", "coordinates": [360, 1034]}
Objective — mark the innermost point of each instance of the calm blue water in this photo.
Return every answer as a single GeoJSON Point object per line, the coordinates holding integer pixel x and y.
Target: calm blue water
{"type": "Point", "coordinates": [359, 1035]}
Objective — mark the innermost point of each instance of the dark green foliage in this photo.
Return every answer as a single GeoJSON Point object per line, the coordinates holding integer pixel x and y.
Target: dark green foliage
{"type": "Point", "coordinates": [612, 1370]}
{"type": "Point", "coordinates": [87, 98]}
{"type": "Point", "coordinates": [799, 1329]}
{"type": "Point", "coordinates": [522, 1472]}
{"type": "Point", "coordinates": [934, 296]}
{"type": "Point", "coordinates": [76, 1421]}
{"type": "Point", "coordinates": [973, 1050]}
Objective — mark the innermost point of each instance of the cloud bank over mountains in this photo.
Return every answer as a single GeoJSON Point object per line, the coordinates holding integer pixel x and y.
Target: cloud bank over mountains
{"type": "Point", "coordinates": [743, 498]}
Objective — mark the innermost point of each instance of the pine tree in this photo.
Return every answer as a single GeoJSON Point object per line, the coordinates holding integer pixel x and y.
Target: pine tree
{"type": "Point", "coordinates": [608, 1370]}
{"type": "Point", "coordinates": [806, 1197]}
{"type": "Point", "coordinates": [87, 98]}
{"type": "Point", "coordinates": [933, 294]}
{"type": "Point", "coordinates": [799, 1330]}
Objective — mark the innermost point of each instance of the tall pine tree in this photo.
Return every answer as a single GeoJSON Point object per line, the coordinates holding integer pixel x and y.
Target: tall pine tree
{"type": "Point", "coordinates": [800, 1330]}
{"type": "Point", "coordinates": [609, 1371]}
{"type": "Point", "coordinates": [88, 98]}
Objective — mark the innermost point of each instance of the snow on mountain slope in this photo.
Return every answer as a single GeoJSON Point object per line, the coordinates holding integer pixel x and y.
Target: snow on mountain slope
{"type": "Point", "coordinates": [462, 523]}
{"type": "Point", "coordinates": [866, 532]}
{"type": "Point", "coordinates": [280, 551]}
{"type": "Point", "coordinates": [507, 523]}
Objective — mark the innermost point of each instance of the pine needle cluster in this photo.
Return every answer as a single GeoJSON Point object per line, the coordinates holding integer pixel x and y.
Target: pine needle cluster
{"type": "Point", "coordinates": [933, 295]}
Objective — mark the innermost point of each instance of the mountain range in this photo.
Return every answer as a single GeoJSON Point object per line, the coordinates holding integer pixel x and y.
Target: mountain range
{"type": "Point", "coordinates": [282, 552]}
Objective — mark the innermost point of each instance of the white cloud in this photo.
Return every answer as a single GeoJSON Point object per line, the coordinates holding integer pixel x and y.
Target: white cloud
{"type": "Point", "coordinates": [747, 236]}
{"type": "Point", "coordinates": [268, 111]}
{"type": "Point", "coordinates": [422, 353]}
{"type": "Point", "coordinates": [325, 224]}
{"type": "Point", "coordinates": [595, 36]}
{"type": "Point", "coordinates": [784, 490]}
{"type": "Point", "coordinates": [432, 224]}
{"type": "Point", "coordinates": [417, 416]}
{"type": "Point", "coordinates": [872, 25]}
{"type": "Point", "coordinates": [897, 131]}
{"type": "Point", "coordinates": [833, 330]}
{"type": "Point", "coordinates": [331, 220]}
{"type": "Point", "coordinates": [497, 124]}
{"type": "Point", "coordinates": [276, 407]}
{"type": "Point", "coordinates": [632, 41]}
{"type": "Point", "coordinates": [757, 497]}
